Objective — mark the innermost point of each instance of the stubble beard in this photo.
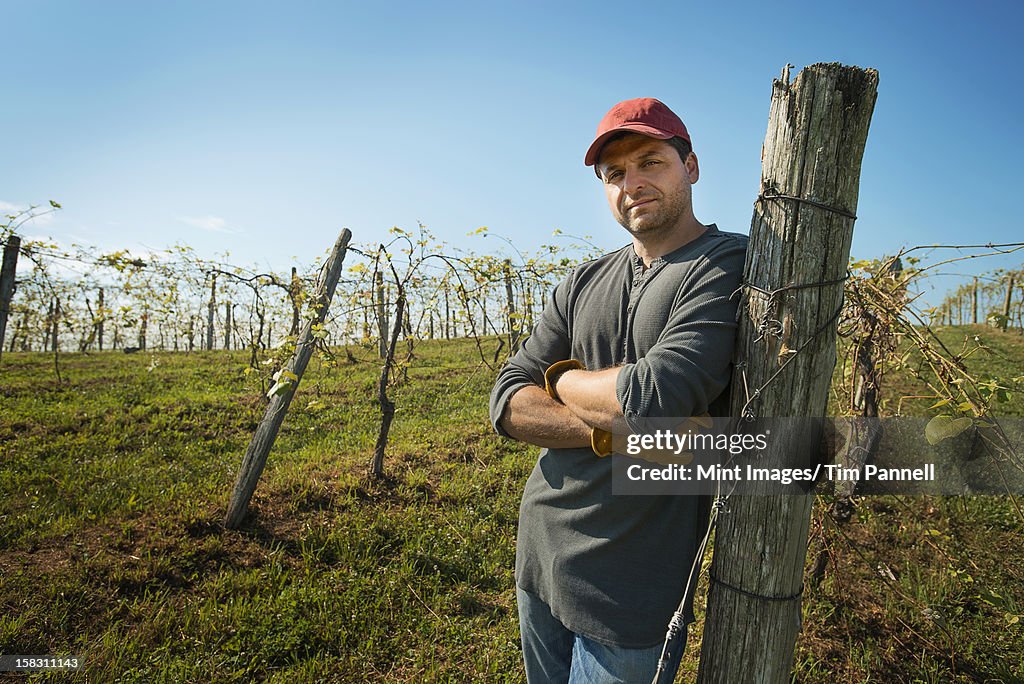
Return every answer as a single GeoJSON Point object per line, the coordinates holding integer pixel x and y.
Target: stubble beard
{"type": "Point", "coordinates": [662, 221]}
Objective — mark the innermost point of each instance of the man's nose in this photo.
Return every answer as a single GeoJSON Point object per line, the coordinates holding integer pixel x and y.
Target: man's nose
{"type": "Point", "coordinates": [634, 181]}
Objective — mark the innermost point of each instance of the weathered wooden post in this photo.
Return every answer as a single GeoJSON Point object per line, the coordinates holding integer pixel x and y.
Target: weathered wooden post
{"type": "Point", "coordinates": [447, 314]}
{"type": "Point", "coordinates": [209, 311]}
{"type": "Point", "coordinates": [7, 271]}
{"type": "Point", "coordinates": [56, 324]}
{"type": "Point", "coordinates": [227, 325]}
{"type": "Point", "coordinates": [262, 441]}
{"type": "Point", "coordinates": [1007, 303]}
{"type": "Point", "coordinates": [800, 239]}
{"type": "Point", "coordinates": [974, 301]}
{"type": "Point", "coordinates": [101, 313]}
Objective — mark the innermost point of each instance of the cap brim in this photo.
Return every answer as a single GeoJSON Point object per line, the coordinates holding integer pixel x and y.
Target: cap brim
{"type": "Point", "coordinates": [595, 147]}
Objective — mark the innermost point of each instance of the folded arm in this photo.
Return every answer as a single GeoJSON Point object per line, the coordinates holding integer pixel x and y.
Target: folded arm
{"type": "Point", "coordinates": [533, 417]}
{"type": "Point", "coordinates": [590, 395]}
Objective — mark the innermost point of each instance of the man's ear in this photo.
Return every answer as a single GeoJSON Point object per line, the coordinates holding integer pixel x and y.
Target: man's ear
{"type": "Point", "coordinates": [692, 167]}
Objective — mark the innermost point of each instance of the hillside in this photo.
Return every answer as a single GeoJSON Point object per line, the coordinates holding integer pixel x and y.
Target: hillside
{"type": "Point", "coordinates": [113, 483]}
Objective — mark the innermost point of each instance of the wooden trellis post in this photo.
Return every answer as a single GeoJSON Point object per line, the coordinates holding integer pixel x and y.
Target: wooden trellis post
{"type": "Point", "coordinates": [1007, 303]}
{"type": "Point", "coordinates": [262, 441]}
{"type": "Point", "coordinates": [7, 271]}
{"type": "Point", "coordinates": [799, 249]}
{"type": "Point", "coordinates": [209, 312]}
{"type": "Point", "coordinates": [101, 314]}
{"type": "Point", "coordinates": [447, 314]}
{"type": "Point", "coordinates": [974, 301]}
{"type": "Point", "coordinates": [227, 325]}
{"type": "Point", "coordinates": [55, 322]}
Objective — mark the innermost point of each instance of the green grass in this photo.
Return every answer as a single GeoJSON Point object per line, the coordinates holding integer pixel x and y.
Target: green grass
{"type": "Point", "coordinates": [113, 484]}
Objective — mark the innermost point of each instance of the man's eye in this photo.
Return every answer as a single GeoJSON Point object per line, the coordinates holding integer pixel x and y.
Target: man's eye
{"type": "Point", "coordinates": [612, 175]}
{"type": "Point", "coordinates": [650, 162]}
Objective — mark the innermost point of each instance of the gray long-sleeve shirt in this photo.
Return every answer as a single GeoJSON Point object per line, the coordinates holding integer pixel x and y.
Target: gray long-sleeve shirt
{"type": "Point", "coordinates": [614, 568]}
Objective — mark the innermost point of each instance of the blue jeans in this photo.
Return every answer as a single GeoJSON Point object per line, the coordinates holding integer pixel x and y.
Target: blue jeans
{"type": "Point", "coordinates": [552, 653]}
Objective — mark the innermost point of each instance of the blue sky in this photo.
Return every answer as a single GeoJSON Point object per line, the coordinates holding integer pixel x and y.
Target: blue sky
{"type": "Point", "coordinates": [262, 129]}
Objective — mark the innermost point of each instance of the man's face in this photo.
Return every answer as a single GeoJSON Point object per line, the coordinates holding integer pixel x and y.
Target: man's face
{"type": "Point", "coordinates": [647, 184]}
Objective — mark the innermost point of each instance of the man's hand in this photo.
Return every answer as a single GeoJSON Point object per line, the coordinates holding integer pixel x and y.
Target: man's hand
{"type": "Point", "coordinates": [533, 417]}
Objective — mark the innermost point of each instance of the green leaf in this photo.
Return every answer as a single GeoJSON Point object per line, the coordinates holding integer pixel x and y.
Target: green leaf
{"type": "Point", "coordinates": [941, 402]}
{"type": "Point", "coordinates": [280, 387]}
{"type": "Point", "coordinates": [944, 427]}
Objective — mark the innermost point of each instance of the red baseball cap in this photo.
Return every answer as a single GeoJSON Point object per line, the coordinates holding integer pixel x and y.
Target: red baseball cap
{"type": "Point", "coordinates": [644, 115]}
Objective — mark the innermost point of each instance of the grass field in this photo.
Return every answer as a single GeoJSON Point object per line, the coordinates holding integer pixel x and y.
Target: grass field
{"type": "Point", "coordinates": [113, 484]}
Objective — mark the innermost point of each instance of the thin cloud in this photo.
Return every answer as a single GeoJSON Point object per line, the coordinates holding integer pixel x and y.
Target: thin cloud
{"type": "Point", "coordinates": [214, 224]}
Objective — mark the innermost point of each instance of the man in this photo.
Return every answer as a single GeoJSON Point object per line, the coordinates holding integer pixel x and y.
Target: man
{"type": "Point", "coordinates": [644, 333]}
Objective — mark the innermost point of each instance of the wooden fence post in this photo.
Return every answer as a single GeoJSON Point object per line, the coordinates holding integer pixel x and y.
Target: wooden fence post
{"type": "Point", "coordinates": [974, 301]}
{"type": "Point", "coordinates": [447, 314]}
{"type": "Point", "coordinates": [209, 312]}
{"type": "Point", "coordinates": [7, 271]}
{"type": "Point", "coordinates": [101, 314]}
{"type": "Point", "coordinates": [262, 441]}
{"type": "Point", "coordinates": [56, 324]}
{"type": "Point", "coordinates": [1007, 302]}
{"type": "Point", "coordinates": [799, 249]}
{"type": "Point", "coordinates": [227, 325]}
